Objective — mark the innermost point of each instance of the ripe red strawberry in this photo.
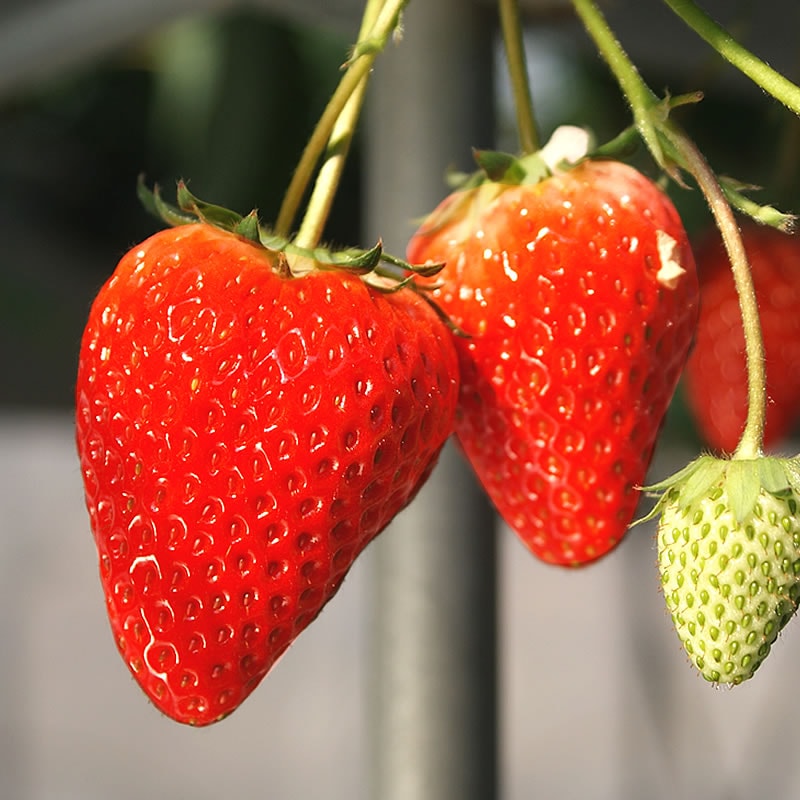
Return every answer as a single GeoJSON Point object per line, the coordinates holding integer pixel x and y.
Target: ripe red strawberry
{"type": "Point", "coordinates": [243, 434]}
{"type": "Point", "coordinates": [716, 375]}
{"type": "Point", "coordinates": [579, 294]}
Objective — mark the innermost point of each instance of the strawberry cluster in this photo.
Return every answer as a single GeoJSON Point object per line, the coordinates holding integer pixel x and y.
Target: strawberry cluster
{"type": "Point", "coordinates": [251, 414]}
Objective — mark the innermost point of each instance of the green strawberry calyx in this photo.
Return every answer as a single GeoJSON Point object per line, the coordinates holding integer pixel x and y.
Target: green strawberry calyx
{"type": "Point", "coordinates": [743, 479]}
{"type": "Point", "coordinates": [498, 171]}
{"type": "Point", "coordinates": [379, 268]}
{"type": "Point", "coordinates": [568, 145]}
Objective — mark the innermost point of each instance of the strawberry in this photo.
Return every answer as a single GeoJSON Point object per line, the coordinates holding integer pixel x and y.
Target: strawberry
{"type": "Point", "coordinates": [716, 377]}
{"type": "Point", "coordinates": [729, 557]}
{"type": "Point", "coordinates": [243, 434]}
{"type": "Point", "coordinates": [578, 294]}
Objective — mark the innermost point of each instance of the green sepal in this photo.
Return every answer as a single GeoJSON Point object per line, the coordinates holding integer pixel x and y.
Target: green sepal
{"type": "Point", "coordinates": [192, 209]}
{"type": "Point", "coordinates": [495, 166]}
{"type": "Point", "coordinates": [354, 259]}
{"type": "Point", "coordinates": [774, 474]}
{"type": "Point", "coordinates": [692, 481]}
{"type": "Point", "coordinates": [743, 483]}
{"type": "Point", "coordinates": [377, 267]}
{"type": "Point", "coordinates": [678, 477]}
{"type": "Point", "coordinates": [158, 207]}
{"type": "Point", "coordinates": [500, 167]}
{"type": "Point", "coordinates": [390, 286]}
{"type": "Point", "coordinates": [423, 270]}
{"type": "Point", "coordinates": [705, 475]}
{"type": "Point", "coordinates": [351, 259]}
{"type": "Point", "coordinates": [623, 146]}
{"type": "Point", "coordinates": [744, 480]}
{"type": "Point", "coordinates": [219, 216]}
{"type": "Point", "coordinates": [248, 227]}
{"type": "Point", "coordinates": [791, 470]}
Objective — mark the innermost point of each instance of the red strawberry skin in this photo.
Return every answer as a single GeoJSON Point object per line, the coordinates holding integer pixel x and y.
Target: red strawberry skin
{"type": "Point", "coordinates": [716, 374]}
{"type": "Point", "coordinates": [242, 437]}
{"type": "Point", "coordinates": [579, 295]}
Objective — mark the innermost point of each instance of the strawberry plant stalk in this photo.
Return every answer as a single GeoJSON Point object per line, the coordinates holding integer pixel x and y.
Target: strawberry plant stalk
{"type": "Point", "coordinates": [640, 98]}
{"type": "Point", "coordinates": [514, 45]}
{"type": "Point", "coordinates": [672, 148]}
{"type": "Point", "coordinates": [751, 443]}
{"type": "Point", "coordinates": [770, 80]}
{"type": "Point", "coordinates": [341, 137]}
{"type": "Point", "coordinates": [358, 68]}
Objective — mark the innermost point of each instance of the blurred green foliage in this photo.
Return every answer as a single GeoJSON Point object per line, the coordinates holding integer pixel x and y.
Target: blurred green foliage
{"type": "Point", "coordinates": [224, 102]}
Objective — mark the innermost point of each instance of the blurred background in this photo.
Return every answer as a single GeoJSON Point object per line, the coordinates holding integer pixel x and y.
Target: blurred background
{"type": "Point", "coordinates": [595, 697]}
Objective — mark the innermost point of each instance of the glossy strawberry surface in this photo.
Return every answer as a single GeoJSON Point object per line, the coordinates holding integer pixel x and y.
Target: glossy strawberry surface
{"type": "Point", "coordinates": [242, 437]}
{"type": "Point", "coordinates": [579, 298]}
{"type": "Point", "coordinates": [716, 375]}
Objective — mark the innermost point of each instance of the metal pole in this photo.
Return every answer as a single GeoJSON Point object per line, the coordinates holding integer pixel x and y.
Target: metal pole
{"type": "Point", "coordinates": [433, 701]}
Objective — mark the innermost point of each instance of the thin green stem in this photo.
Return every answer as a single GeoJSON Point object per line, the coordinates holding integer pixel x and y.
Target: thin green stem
{"type": "Point", "coordinates": [341, 137]}
{"type": "Point", "coordinates": [641, 99]}
{"type": "Point", "coordinates": [670, 145]}
{"type": "Point", "coordinates": [751, 443]}
{"type": "Point", "coordinates": [771, 81]}
{"type": "Point", "coordinates": [357, 70]}
{"type": "Point", "coordinates": [514, 45]}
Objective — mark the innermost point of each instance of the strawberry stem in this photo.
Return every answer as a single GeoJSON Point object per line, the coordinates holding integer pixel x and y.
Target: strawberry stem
{"type": "Point", "coordinates": [672, 148]}
{"type": "Point", "coordinates": [771, 81]}
{"type": "Point", "coordinates": [514, 45]}
{"type": "Point", "coordinates": [358, 69]}
{"type": "Point", "coordinates": [641, 99]}
{"type": "Point", "coordinates": [341, 137]}
{"type": "Point", "coordinates": [751, 443]}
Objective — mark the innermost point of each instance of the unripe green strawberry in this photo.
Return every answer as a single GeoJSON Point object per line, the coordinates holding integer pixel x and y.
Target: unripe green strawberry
{"type": "Point", "coordinates": [729, 556]}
